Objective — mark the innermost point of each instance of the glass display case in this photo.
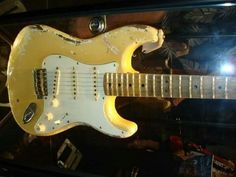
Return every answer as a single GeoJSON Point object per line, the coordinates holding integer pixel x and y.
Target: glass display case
{"type": "Point", "coordinates": [117, 88]}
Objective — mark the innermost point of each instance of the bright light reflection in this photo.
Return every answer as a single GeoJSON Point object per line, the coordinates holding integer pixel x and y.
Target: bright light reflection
{"type": "Point", "coordinates": [227, 4]}
{"type": "Point", "coordinates": [57, 122]}
{"type": "Point", "coordinates": [42, 127]}
{"type": "Point", "coordinates": [49, 116]}
{"type": "Point", "coordinates": [227, 68]}
{"type": "Point", "coordinates": [55, 102]}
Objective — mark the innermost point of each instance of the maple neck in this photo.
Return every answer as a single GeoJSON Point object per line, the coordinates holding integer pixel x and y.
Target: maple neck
{"type": "Point", "coordinates": [169, 86]}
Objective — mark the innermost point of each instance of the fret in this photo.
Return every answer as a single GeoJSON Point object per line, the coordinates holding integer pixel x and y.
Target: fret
{"type": "Point", "coordinates": [201, 87]}
{"type": "Point", "coordinates": [112, 83]}
{"type": "Point", "coordinates": [127, 84]}
{"type": "Point", "coordinates": [213, 87]}
{"type": "Point", "coordinates": [107, 83]}
{"type": "Point", "coordinates": [190, 86]}
{"type": "Point", "coordinates": [154, 84]}
{"type": "Point", "coordinates": [180, 86]}
{"type": "Point", "coordinates": [122, 84]}
{"type": "Point", "coordinates": [139, 85]}
{"type": "Point", "coordinates": [133, 86]}
{"type": "Point", "coordinates": [165, 86]}
{"type": "Point", "coordinates": [170, 85]}
{"type": "Point", "coordinates": [146, 84]}
{"type": "Point", "coordinates": [162, 90]}
{"type": "Point", "coordinates": [226, 87]}
{"type": "Point", "coordinates": [116, 83]}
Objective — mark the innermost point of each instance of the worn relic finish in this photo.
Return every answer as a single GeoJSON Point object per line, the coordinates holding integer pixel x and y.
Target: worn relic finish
{"type": "Point", "coordinates": [34, 43]}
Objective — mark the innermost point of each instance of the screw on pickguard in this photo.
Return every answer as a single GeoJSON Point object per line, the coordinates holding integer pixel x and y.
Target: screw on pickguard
{"type": "Point", "coordinates": [29, 113]}
{"type": "Point", "coordinates": [40, 83]}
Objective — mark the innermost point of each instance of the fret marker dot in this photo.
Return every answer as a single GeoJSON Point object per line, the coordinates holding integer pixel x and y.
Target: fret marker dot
{"type": "Point", "coordinates": [119, 84]}
{"type": "Point", "coordinates": [195, 86]}
{"type": "Point", "coordinates": [130, 85]}
{"type": "Point", "coordinates": [143, 85]}
{"type": "Point", "coordinates": [219, 87]}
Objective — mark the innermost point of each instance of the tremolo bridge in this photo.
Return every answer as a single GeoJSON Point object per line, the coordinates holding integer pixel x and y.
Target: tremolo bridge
{"type": "Point", "coordinates": [40, 83]}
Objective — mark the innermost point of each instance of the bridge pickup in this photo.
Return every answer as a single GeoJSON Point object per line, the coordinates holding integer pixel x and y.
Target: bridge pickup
{"type": "Point", "coordinates": [40, 83]}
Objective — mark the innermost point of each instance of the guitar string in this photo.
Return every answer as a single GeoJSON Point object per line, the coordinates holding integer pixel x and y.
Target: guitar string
{"type": "Point", "coordinates": [77, 83]}
{"type": "Point", "coordinates": [64, 89]}
{"type": "Point", "coordinates": [84, 90]}
{"type": "Point", "coordinates": [98, 78]}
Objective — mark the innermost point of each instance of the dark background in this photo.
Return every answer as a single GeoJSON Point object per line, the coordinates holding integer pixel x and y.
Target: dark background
{"type": "Point", "coordinates": [200, 37]}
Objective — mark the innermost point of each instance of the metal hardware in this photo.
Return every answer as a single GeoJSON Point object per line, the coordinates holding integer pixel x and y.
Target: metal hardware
{"type": "Point", "coordinates": [40, 83]}
{"type": "Point", "coordinates": [29, 112]}
{"type": "Point", "coordinates": [68, 156]}
{"type": "Point", "coordinates": [97, 24]}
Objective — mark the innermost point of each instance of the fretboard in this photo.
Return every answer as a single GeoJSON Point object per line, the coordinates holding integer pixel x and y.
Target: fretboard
{"type": "Point", "coordinates": [169, 86]}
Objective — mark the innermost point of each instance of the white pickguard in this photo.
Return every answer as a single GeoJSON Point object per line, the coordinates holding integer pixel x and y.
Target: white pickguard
{"type": "Point", "coordinates": [75, 96]}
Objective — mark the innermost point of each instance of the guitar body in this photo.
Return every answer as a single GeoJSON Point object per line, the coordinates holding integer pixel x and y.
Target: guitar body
{"type": "Point", "coordinates": [74, 70]}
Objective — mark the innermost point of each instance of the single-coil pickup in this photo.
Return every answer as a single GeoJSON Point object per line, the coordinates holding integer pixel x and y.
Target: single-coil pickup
{"type": "Point", "coordinates": [95, 82]}
{"type": "Point", "coordinates": [40, 83]}
{"type": "Point", "coordinates": [56, 82]}
{"type": "Point", "coordinates": [74, 83]}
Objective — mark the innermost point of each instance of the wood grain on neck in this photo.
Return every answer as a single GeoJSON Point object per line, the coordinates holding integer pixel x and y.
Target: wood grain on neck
{"type": "Point", "coordinates": [169, 86]}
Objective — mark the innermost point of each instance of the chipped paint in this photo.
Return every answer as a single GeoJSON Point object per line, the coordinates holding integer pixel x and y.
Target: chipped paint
{"type": "Point", "coordinates": [38, 28]}
{"type": "Point", "coordinates": [118, 45]}
{"type": "Point", "coordinates": [69, 40]}
{"type": "Point", "coordinates": [110, 47]}
{"type": "Point", "coordinates": [21, 45]}
{"type": "Point", "coordinates": [138, 26]}
{"type": "Point", "coordinates": [86, 41]}
{"type": "Point", "coordinates": [73, 52]}
{"type": "Point", "coordinates": [151, 46]}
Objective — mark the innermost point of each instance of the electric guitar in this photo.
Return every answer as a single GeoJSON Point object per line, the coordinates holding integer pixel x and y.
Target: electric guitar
{"type": "Point", "coordinates": [56, 81]}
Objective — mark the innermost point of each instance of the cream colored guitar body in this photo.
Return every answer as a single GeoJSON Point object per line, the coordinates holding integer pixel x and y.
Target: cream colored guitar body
{"type": "Point", "coordinates": [74, 78]}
